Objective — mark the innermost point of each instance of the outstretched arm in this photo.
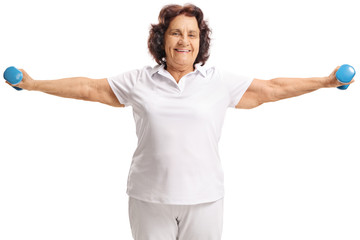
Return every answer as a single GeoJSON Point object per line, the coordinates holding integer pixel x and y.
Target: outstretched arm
{"type": "Point", "coordinates": [96, 90]}
{"type": "Point", "coordinates": [262, 91]}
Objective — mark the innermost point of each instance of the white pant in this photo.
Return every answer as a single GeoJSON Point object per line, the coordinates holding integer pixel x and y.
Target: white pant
{"type": "Point", "coordinates": [153, 221]}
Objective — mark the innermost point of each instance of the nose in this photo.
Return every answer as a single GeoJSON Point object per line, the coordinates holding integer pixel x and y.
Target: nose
{"type": "Point", "coordinates": [184, 41]}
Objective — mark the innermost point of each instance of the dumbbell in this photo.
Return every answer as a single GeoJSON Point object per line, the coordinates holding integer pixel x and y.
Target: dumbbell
{"type": "Point", "coordinates": [13, 76]}
{"type": "Point", "coordinates": [344, 75]}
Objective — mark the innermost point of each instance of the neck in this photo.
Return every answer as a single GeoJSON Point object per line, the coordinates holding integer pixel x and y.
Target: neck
{"type": "Point", "coordinates": [178, 73]}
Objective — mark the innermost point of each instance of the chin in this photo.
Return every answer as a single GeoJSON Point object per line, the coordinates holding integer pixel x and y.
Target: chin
{"type": "Point", "coordinates": [185, 63]}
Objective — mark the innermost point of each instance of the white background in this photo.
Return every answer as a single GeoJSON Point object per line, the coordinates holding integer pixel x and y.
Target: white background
{"type": "Point", "coordinates": [291, 167]}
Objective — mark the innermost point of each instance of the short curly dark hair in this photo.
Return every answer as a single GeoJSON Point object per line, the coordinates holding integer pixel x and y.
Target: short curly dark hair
{"type": "Point", "coordinates": [167, 14]}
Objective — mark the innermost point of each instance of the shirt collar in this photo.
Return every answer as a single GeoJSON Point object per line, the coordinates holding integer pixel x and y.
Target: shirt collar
{"type": "Point", "coordinates": [161, 69]}
{"type": "Point", "coordinates": [201, 69]}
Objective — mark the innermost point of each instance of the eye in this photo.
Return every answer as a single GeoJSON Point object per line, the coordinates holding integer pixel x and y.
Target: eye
{"type": "Point", "coordinates": [175, 34]}
{"type": "Point", "coordinates": [193, 35]}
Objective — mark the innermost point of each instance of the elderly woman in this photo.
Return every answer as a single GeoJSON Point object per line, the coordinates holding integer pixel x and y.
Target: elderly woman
{"type": "Point", "coordinates": [175, 183]}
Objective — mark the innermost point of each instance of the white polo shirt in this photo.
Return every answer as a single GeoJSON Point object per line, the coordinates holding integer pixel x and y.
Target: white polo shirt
{"type": "Point", "coordinates": [178, 126]}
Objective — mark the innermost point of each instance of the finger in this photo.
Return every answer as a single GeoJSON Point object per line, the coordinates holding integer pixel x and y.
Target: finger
{"type": "Point", "coordinates": [23, 72]}
{"type": "Point", "coordinates": [11, 84]}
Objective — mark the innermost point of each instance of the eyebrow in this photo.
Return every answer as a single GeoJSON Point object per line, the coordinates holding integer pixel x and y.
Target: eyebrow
{"type": "Point", "coordinates": [177, 29]}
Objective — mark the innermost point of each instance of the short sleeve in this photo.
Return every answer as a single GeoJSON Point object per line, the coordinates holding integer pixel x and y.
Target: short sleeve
{"type": "Point", "coordinates": [236, 85]}
{"type": "Point", "coordinates": [123, 84]}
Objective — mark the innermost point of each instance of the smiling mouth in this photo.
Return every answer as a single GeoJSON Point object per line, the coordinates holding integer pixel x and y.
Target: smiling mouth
{"type": "Point", "coordinates": [182, 50]}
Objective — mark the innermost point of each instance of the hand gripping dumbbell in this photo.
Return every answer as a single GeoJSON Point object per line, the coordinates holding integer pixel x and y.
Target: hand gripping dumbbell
{"type": "Point", "coordinates": [344, 75]}
{"type": "Point", "coordinates": [13, 76]}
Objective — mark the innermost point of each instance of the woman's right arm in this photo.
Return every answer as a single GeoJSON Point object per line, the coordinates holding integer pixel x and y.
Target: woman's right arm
{"type": "Point", "coordinates": [82, 88]}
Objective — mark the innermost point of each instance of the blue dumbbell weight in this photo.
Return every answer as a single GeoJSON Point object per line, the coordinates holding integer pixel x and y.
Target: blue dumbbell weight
{"type": "Point", "coordinates": [344, 75]}
{"type": "Point", "coordinates": [13, 76]}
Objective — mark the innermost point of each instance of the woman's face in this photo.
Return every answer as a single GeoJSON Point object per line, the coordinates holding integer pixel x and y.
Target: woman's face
{"type": "Point", "coordinates": [182, 40]}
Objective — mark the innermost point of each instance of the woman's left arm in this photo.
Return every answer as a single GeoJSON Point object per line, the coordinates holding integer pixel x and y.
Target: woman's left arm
{"type": "Point", "coordinates": [262, 91]}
